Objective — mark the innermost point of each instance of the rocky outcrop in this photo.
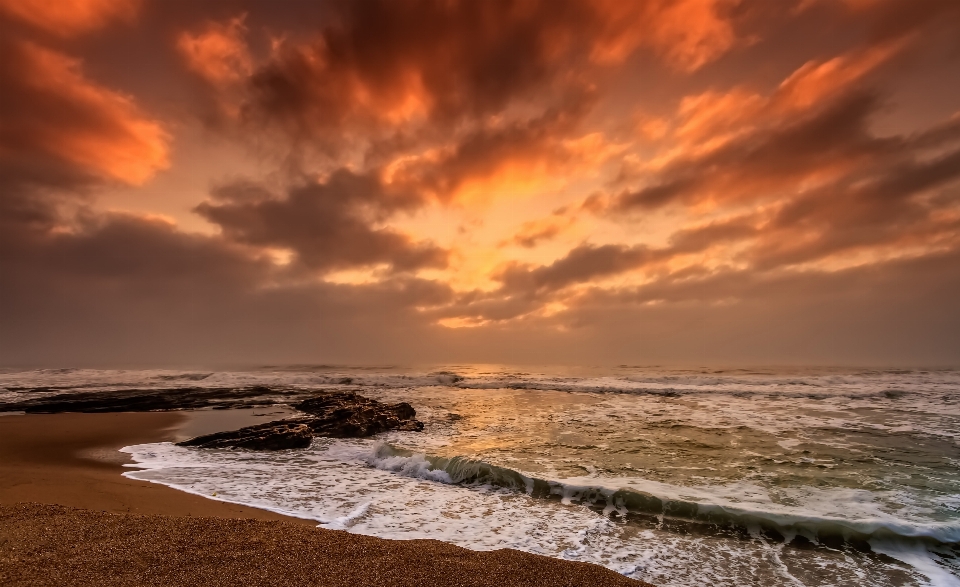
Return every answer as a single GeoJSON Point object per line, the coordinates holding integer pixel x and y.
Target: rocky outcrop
{"type": "Point", "coordinates": [333, 415]}
{"type": "Point", "coordinates": [348, 415]}
{"type": "Point", "coordinates": [336, 414]}
{"type": "Point", "coordinates": [149, 400]}
{"type": "Point", "coordinates": [278, 435]}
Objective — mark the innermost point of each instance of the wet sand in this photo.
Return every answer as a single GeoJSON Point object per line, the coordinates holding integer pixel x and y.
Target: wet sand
{"type": "Point", "coordinates": [72, 460]}
{"type": "Point", "coordinates": [132, 532]}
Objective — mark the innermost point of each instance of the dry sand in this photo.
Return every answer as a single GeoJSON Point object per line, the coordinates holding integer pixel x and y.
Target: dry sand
{"type": "Point", "coordinates": [53, 545]}
{"type": "Point", "coordinates": [71, 460]}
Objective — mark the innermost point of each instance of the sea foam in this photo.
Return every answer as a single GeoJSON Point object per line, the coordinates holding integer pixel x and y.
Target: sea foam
{"type": "Point", "coordinates": [373, 488]}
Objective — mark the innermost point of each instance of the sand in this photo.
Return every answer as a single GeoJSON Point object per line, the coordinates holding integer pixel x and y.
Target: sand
{"type": "Point", "coordinates": [53, 545]}
{"type": "Point", "coordinates": [67, 517]}
{"type": "Point", "coordinates": [72, 459]}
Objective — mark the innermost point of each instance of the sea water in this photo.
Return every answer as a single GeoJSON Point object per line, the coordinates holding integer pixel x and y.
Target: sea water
{"type": "Point", "coordinates": [766, 477]}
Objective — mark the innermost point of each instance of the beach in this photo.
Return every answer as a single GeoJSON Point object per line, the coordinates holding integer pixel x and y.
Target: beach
{"type": "Point", "coordinates": [767, 477]}
{"type": "Point", "coordinates": [68, 517]}
{"type": "Point", "coordinates": [73, 460]}
{"type": "Point", "coordinates": [480, 292]}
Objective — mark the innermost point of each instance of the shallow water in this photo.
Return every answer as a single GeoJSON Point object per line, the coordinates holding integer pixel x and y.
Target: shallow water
{"type": "Point", "coordinates": [764, 477]}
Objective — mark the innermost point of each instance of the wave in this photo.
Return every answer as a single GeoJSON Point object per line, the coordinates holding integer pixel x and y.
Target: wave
{"type": "Point", "coordinates": [184, 376]}
{"type": "Point", "coordinates": [669, 513]}
{"type": "Point", "coordinates": [298, 391]}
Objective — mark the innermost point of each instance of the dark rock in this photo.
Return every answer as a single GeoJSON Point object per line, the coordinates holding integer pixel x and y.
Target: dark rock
{"type": "Point", "coordinates": [411, 426]}
{"type": "Point", "coordinates": [348, 415]}
{"type": "Point", "coordinates": [341, 414]}
{"type": "Point", "coordinates": [334, 415]}
{"type": "Point", "coordinates": [278, 435]}
{"type": "Point", "coordinates": [149, 400]}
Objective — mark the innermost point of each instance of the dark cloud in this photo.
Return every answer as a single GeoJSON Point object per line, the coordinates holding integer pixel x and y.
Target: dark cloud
{"type": "Point", "coordinates": [885, 212]}
{"type": "Point", "coordinates": [525, 288]}
{"type": "Point", "coordinates": [199, 301]}
{"type": "Point", "coordinates": [582, 264]}
{"type": "Point", "coordinates": [329, 224]}
{"type": "Point", "coordinates": [768, 160]}
{"type": "Point", "coordinates": [890, 18]}
{"type": "Point", "coordinates": [463, 60]}
{"type": "Point", "coordinates": [120, 289]}
{"type": "Point", "coordinates": [692, 240]}
{"type": "Point", "coordinates": [472, 61]}
{"type": "Point", "coordinates": [897, 312]}
{"type": "Point", "coordinates": [454, 91]}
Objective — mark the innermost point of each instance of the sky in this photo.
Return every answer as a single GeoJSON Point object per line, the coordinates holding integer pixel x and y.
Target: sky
{"type": "Point", "coordinates": [656, 182]}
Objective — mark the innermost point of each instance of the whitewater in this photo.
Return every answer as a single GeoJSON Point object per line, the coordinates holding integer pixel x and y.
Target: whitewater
{"type": "Point", "coordinates": [674, 476]}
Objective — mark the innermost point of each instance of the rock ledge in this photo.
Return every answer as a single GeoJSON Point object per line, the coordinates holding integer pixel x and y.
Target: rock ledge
{"type": "Point", "coordinates": [332, 415]}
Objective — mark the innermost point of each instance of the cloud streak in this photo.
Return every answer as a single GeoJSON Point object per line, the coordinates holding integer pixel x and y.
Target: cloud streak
{"type": "Point", "coordinates": [51, 109]}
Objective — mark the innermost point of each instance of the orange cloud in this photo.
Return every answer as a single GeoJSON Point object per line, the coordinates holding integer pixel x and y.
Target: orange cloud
{"type": "Point", "coordinates": [816, 80]}
{"type": "Point", "coordinates": [370, 69]}
{"type": "Point", "coordinates": [69, 18]}
{"type": "Point", "coordinates": [508, 158]}
{"type": "Point", "coordinates": [707, 122]}
{"type": "Point", "coordinates": [54, 109]}
{"type": "Point", "coordinates": [709, 119]}
{"type": "Point", "coordinates": [686, 33]}
{"type": "Point", "coordinates": [711, 114]}
{"type": "Point", "coordinates": [219, 53]}
{"type": "Point", "coordinates": [484, 167]}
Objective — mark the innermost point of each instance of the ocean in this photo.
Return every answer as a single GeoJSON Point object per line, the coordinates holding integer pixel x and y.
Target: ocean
{"type": "Point", "coordinates": [710, 477]}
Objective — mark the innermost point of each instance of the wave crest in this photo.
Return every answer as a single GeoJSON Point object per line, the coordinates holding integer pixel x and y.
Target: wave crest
{"type": "Point", "coordinates": [665, 512]}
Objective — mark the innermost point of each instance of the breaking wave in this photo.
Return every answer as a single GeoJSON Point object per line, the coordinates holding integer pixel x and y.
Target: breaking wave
{"type": "Point", "coordinates": [667, 512]}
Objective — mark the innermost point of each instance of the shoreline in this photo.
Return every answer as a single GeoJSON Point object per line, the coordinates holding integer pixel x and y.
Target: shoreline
{"type": "Point", "coordinates": [74, 460]}
{"type": "Point", "coordinates": [68, 517]}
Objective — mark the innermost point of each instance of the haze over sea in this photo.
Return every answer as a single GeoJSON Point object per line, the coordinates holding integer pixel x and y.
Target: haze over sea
{"type": "Point", "coordinates": [678, 477]}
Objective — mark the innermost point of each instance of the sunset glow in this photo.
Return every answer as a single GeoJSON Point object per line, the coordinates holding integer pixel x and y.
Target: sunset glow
{"type": "Point", "coordinates": [480, 177]}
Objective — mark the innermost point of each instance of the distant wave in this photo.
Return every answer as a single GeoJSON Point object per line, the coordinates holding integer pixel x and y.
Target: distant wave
{"type": "Point", "coordinates": [893, 385]}
{"type": "Point", "coordinates": [321, 383]}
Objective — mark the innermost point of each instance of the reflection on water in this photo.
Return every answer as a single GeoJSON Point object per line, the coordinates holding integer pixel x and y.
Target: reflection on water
{"type": "Point", "coordinates": [209, 421]}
